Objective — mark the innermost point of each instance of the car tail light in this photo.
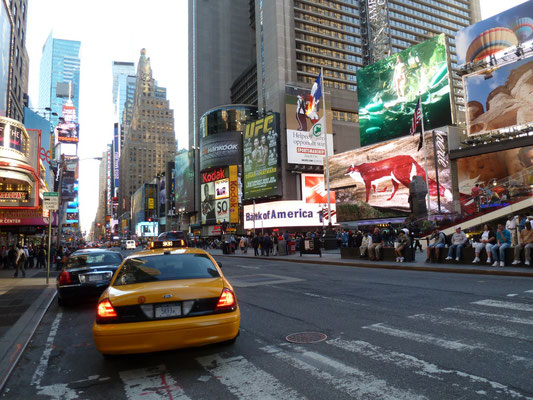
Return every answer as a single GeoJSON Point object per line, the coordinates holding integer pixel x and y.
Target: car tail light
{"type": "Point", "coordinates": [64, 278]}
{"type": "Point", "coordinates": [226, 300]}
{"type": "Point", "coordinates": [105, 310]}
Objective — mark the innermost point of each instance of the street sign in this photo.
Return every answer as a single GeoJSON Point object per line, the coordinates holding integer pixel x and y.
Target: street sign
{"type": "Point", "coordinates": [50, 201]}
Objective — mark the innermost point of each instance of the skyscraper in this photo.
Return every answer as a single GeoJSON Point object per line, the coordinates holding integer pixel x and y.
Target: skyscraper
{"type": "Point", "coordinates": [121, 70]}
{"type": "Point", "coordinates": [294, 39]}
{"type": "Point", "coordinates": [60, 63]}
{"type": "Point", "coordinates": [149, 141]}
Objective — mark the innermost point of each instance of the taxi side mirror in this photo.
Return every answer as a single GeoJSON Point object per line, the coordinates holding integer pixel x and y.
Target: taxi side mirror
{"type": "Point", "coordinates": [219, 264]}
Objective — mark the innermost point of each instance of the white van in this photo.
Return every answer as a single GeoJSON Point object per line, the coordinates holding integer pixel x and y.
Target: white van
{"type": "Point", "coordinates": [130, 245]}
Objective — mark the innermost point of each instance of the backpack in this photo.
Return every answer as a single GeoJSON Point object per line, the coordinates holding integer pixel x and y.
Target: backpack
{"type": "Point", "coordinates": [23, 256]}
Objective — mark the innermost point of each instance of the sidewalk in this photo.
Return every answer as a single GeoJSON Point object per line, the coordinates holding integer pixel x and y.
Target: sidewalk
{"type": "Point", "coordinates": [23, 303]}
{"type": "Point", "coordinates": [333, 257]}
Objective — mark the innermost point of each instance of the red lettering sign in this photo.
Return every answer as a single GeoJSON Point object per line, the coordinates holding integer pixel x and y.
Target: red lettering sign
{"type": "Point", "coordinates": [213, 176]}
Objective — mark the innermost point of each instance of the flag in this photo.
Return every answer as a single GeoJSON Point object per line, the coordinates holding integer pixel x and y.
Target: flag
{"type": "Point", "coordinates": [312, 106]}
{"type": "Point", "coordinates": [316, 90]}
{"type": "Point", "coordinates": [417, 118]}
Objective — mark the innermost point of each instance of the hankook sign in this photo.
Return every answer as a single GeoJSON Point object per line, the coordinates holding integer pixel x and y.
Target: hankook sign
{"type": "Point", "coordinates": [220, 150]}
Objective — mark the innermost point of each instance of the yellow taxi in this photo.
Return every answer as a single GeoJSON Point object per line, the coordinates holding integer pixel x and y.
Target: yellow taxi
{"type": "Point", "coordinates": [166, 297]}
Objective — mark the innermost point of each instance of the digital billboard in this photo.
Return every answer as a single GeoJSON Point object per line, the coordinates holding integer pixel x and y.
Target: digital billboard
{"type": "Point", "coordinates": [261, 155]}
{"type": "Point", "coordinates": [501, 98]}
{"type": "Point", "coordinates": [389, 90]}
{"type": "Point", "coordinates": [281, 214]}
{"type": "Point", "coordinates": [67, 132]}
{"type": "Point", "coordinates": [314, 189]}
{"type": "Point", "coordinates": [305, 145]}
{"type": "Point", "coordinates": [495, 34]}
{"type": "Point", "coordinates": [5, 47]}
{"type": "Point", "coordinates": [512, 167]}
{"type": "Point", "coordinates": [373, 182]}
{"type": "Point", "coordinates": [222, 189]}
{"type": "Point", "coordinates": [220, 149]}
{"type": "Point", "coordinates": [184, 180]}
{"type": "Point", "coordinates": [116, 159]}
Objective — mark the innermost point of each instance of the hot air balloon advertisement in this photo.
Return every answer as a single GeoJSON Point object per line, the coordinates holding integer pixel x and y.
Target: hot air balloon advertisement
{"type": "Point", "coordinates": [523, 28]}
{"type": "Point", "coordinates": [502, 31]}
{"type": "Point", "coordinates": [388, 91]}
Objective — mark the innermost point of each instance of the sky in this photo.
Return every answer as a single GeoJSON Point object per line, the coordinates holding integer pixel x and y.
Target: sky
{"type": "Point", "coordinates": [116, 30]}
{"type": "Point", "coordinates": [111, 30]}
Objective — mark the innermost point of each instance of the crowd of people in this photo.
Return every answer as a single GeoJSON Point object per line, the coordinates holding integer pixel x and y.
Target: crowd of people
{"type": "Point", "coordinates": [28, 256]}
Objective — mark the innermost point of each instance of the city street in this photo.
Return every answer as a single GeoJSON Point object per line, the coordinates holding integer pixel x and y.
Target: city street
{"type": "Point", "coordinates": [390, 335]}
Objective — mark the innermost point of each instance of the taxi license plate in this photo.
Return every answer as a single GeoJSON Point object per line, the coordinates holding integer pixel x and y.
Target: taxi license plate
{"type": "Point", "coordinates": [167, 311]}
{"type": "Point", "coordinates": [95, 277]}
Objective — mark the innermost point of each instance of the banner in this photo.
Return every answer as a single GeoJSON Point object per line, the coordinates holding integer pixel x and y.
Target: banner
{"type": "Point", "coordinates": [261, 154]}
{"type": "Point", "coordinates": [388, 91]}
{"type": "Point", "coordinates": [233, 194]}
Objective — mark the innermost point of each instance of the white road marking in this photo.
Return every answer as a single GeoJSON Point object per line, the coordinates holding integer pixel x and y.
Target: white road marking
{"type": "Point", "coordinates": [512, 295]}
{"type": "Point", "coordinates": [417, 337]}
{"type": "Point", "coordinates": [418, 366]}
{"type": "Point", "coordinates": [505, 304]}
{"type": "Point", "coordinates": [244, 380]}
{"type": "Point", "coordinates": [495, 330]}
{"type": "Point", "coordinates": [528, 291]}
{"type": "Point", "coordinates": [356, 383]}
{"type": "Point", "coordinates": [152, 383]}
{"type": "Point", "coordinates": [498, 317]}
{"type": "Point", "coordinates": [43, 362]}
{"type": "Point", "coordinates": [333, 299]}
{"type": "Point", "coordinates": [261, 279]}
{"type": "Point", "coordinates": [245, 266]}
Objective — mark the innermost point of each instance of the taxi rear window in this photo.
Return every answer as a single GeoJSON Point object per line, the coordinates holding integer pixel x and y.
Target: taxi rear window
{"type": "Point", "coordinates": [166, 267]}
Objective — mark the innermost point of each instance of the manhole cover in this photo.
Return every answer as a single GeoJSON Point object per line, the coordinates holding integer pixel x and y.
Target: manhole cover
{"type": "Point", "coordinates": [306, 337]}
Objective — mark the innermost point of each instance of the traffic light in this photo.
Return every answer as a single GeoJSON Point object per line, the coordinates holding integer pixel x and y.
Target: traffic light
{"type": "Point", "coordinates": [149, 219]}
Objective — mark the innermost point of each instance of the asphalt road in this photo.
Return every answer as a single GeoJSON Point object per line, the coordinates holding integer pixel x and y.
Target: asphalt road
{"type": "Point", "coordinates": [390, 335]}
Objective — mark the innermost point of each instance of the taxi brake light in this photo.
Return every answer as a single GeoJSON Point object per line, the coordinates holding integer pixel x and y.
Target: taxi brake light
{"type": "Point", "coordinates": [227, 299]}
{"type": "Point", "coordinates": [105, 309]}
{"type": "Point", "coordinates": [64, 278]}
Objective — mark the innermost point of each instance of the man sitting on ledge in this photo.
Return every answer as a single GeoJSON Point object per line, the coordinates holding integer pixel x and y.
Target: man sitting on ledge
{"type": "Point", "coordinates": [458, 241]}
{"type": "Point", "coordinates": [526, 243]}
{"type": "Point", "coordinates": [377, 244]}
{"type": "Point", "coordinates": [440, 243]}
{"type": "Point", "coordinates": [403, 243]}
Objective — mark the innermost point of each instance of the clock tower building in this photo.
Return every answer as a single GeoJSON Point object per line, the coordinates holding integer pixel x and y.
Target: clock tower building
{"type": "Point", "coordinates": [149, 141]}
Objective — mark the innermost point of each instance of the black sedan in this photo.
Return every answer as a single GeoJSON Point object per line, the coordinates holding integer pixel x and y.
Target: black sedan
{"type": "Point", "coordinates": [87, 274]}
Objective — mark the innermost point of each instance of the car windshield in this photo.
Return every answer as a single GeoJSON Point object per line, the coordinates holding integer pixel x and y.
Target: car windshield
{"type": "Point", "coordinates": [166, 267]}
{"type": "Point", "coordinates": [93, 260]}
{"type": "Point", "coordinates": [174, 235]}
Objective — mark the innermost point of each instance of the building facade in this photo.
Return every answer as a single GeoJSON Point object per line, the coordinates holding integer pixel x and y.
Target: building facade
{"type": "Point", "coordinates": [292, 41]}
{"type": "Point", "coordinates": [149, 140]}
{"type": "Point", "coordinates": [60, 64]}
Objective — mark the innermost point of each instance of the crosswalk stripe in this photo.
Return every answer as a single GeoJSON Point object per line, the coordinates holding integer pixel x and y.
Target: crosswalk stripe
{"type": "Point", "coordinates": [422, 338]}
{"type": "Point", "coordinates": [499, 317]}
{"type": "Point", "coordinates": [418, 366]}
{"type": "Point", "coordinates": [152, 383]}
{"type": "Point", "coordinates": [495, 330]}
{"type": "Point", "coordinates": [244, 380]}
{"type": "Point", "coordinates": [356, 383]}
{"type": "Point", "coordinates": [505, 304]}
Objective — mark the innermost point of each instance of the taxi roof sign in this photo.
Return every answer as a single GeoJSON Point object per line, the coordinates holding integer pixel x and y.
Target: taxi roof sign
{"type": "Point", "coordinates": [167, 244]}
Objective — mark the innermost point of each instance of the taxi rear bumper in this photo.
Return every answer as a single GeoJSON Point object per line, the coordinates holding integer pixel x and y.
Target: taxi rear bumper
{"type": "Point", "coordinates": [150, 336]}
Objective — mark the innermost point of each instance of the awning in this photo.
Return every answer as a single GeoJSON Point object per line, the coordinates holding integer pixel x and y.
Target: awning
{"type": "Point", "coordinates": [19, 176]}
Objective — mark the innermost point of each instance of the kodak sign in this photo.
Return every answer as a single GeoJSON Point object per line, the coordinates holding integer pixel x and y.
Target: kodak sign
{"type": "Point", "coordinates": [233, 195]}
{"type": "Point", "coordinates": [214, 175]}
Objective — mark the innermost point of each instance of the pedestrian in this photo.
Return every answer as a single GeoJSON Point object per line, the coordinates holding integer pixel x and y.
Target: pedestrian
{"type": "Point", "coordinates": [267, 244]}
{"type": "Point", "coordinates": [503, 238]}
{"type": "Point", "coordinates": [458, 241]}
{"type": "Point", "coordinates": [512, 226]}
{"type": "Point", "coordinates": [59, 258]}
{"type": "Point", "coordinates": [376, 246]}
{"type": "Point", "coordinates": [255, 245]}
{"type": "Point", "coordinates": [476, 194]}
{"type": "Point", "coordinates": [526, 243]}
{"type": "Point", "coordinates": [12, 256]}
{"type": "Point", "coordinates": [31, 251]}
{"type": "Point", "coordinates": [403, 243]}
{"type": "Point", "coordinates": [439, 243]}
{"type": "Point", "coordinates": [27, 254]}
{"type": "Point", "coordinates": [242, 244]}
{"type": "Point", "coordinates": [414, 230]}
{"type": "Point", "coordinates": [344, 238]}
{"type": "Point", "coordinates": [286, 237]}
{"type": "Point", "coordinates": [275, 243]}
{"type": "Point", "coordinates": [486, 241]}
{"type": "Point", "coordinates": [20, 261]}
{"type": "Point", "coordinates": [366, 242]}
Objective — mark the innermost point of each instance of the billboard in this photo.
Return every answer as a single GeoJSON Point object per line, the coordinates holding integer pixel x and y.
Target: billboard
{"type": "Point", "coordinates": [5, 48]}
{"type": "Point", "coordinates": [373, 182]}
{"type": "Point", "coordinates": [514, 166]}
{"type": "Point", "coordinates": [314, 189]}
{"type": "Point", "coordinates": [261, 154]}
{"type": "Point", "coordinates": [147, 229]}
{"type": "Point", "coordinates": [222, 189]}
{"type": "Point", "coordinates": [222, 210]}
{"type": "Point", "coordinates": [116, 159]}
{"type": "Point", "coordinates": [501, 98]}
{"type": "Point", "coordinates": [184, 180]}
{"type": "Point", "coordinates": [494, 34]}
{"type": "Point", "coordinates": [67, 132]}
{"type": "Point", "coordinates": [220, 150]}
{"type": "Point", "coordinates": [389, 89]}
{"type": "Point", "coordinates": [234, 194]}
{"type": "Point", "coordinates": [282, 214]}
{"type": "Point", "coordinates": [304, 144]}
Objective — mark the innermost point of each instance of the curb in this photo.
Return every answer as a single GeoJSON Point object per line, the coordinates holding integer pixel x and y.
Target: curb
{"type": "Point", "coordinates": [394, 266]}
{"type": "Point", "coordinates": [22, 332]}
